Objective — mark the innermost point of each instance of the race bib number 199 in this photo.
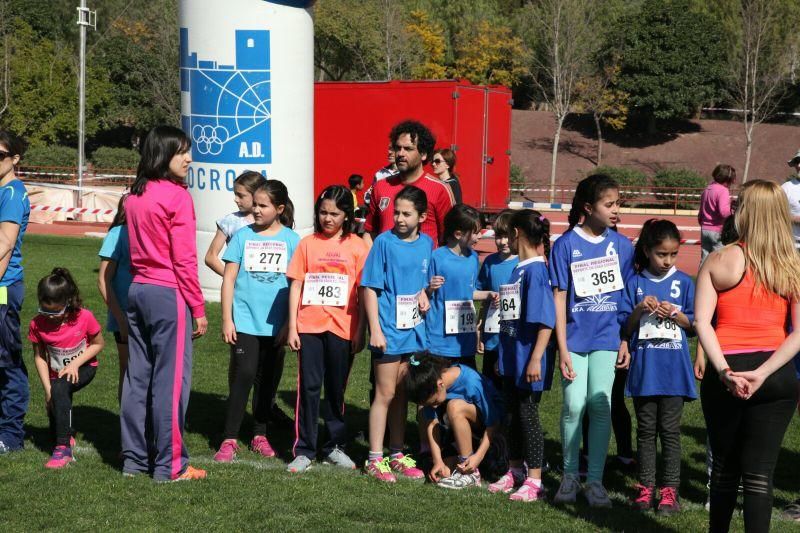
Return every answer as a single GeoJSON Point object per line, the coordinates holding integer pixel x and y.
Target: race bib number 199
{"type": "Point", "coordinates": [459, 317]}
{"type": "Point", "coordinates": [325, 289]}
{"type": "Point", "coordinates": [597, 276]}
{"type": "Point", "coordinates": [265, 256]}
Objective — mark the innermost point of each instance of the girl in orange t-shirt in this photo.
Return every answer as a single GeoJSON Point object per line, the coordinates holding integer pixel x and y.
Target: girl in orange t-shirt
{"type": "Point", "coordinates": [326, 325]}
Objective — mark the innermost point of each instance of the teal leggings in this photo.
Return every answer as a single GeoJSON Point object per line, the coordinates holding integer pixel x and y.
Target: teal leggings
{"type": "Point", "coordinates": [594, 379]}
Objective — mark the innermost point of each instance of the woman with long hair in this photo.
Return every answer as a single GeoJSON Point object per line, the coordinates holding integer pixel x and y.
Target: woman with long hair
{"type": "Point", "coordinates": [749, 398]}
{"type": "Point", "coordinates": [444, 166]}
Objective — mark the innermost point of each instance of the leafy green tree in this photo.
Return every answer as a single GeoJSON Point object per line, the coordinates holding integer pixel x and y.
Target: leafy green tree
{"type": "Point", "coordinates": [671, 59]}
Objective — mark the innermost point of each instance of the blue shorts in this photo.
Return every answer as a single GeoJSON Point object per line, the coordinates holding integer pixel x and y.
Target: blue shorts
{"type": "Point", "coordinates": [380, 357]}
{"type": "Point", "coordinates": [797, 366]}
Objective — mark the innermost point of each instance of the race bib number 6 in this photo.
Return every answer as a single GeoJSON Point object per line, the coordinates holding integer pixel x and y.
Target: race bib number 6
{"type": "Point", "coordinates": [654, 327]}
{"type": "Point", "coordinates": [265, 256]}
{"type": "Point", "coordinates": [597, 276]}
{"type": "Point", "coordinates": [325, 289]}
{"type": "Point", "coordinates": [459, 317]}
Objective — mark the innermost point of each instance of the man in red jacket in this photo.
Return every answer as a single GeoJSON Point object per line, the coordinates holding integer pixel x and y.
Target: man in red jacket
{"type": "Point", "coordinates": [413, 144]}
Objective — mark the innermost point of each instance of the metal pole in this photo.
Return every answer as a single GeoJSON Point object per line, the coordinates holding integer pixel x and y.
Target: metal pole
{"type": "Point", "coordinates": [82, 12]}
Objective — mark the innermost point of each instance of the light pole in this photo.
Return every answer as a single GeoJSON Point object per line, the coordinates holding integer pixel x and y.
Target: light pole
{"type": "Point", "coordinates": [86, 18]}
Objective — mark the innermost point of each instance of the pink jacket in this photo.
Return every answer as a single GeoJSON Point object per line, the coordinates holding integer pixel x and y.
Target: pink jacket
{"type": "Point", "coordinates": [715, 207]}
{"type": "Point", "coordinates": [161, 226]}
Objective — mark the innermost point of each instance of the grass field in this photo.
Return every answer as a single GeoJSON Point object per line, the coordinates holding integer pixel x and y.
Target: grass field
{"type": "Point", "coordinates": [257, 494]}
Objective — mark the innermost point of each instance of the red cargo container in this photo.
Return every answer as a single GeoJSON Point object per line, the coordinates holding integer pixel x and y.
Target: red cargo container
{"type": "Point", "coordinates": [352, 123]}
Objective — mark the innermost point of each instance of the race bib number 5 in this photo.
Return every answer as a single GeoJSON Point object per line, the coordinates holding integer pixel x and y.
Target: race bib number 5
{"type": "Point", "coordinates": [325, 289]}
{"type": "Point", "coordinates": [408, 316]}
{"type": "Point", "coordinates": [597, 276]}
{"type": "Point", "coordinates": [459, 317]}
{"type": "Point", "coordinates": [265, 256]}
{"type": "Point", "coordinates": [654, 327]}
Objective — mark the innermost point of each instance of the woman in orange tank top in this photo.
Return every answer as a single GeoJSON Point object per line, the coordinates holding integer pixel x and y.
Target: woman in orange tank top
{"type": "Point", "coordinates": [749, 399]}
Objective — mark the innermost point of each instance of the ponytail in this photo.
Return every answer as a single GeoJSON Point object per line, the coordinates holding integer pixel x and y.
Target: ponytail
{"type": "Point", "coordinates": [589, 190]}
{"type": "Point", "coordinates": [60, 288]}
{"type": "Point", "coordinates": [279, 196]}
{"type": "Point", "coordinates": [654, 232]}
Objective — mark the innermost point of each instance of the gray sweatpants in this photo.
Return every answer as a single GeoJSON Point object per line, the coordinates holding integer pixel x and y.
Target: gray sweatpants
{"type": "Point", "coordinates": [155, 390]}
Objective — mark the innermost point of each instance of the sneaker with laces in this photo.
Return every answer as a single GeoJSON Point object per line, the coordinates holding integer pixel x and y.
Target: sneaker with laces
{"type": "Point", "coordinates": [337, 457]}
{"type": "Point", "coordinates": [528, 492]}
{"type": "Point", "coordinates": [191, 473]}
{"type": "Point", "coordinates": [670, 503]}
{"type": "Point", "coordinates": [62, 456]}
{"type": "Point", "coordinates": [380, 470]}
{"type": "Point", "coordinates": [227, 451]}
{"type": "Point", "coordinates": [405, 466]}
{"type": "Point", "coordinates": [300, 464]}
{"type": "Point", "coordinates": [596, 495]}
{"type": "Point", "coordinates": [645, 497]}
{"type": "Point", "coordinates": [506, 484]}
{"type": "Point", "coordinates": [261, 446]}
{"type": "Point", "coordinates": [458, 481]}
{"type": "Point", "coordinates": [568, 490]}
{"type": "Point", "coordinates": [792, 511]}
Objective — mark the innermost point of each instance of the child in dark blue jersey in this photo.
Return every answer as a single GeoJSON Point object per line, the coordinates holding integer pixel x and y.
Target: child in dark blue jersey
{"type": "Point", "coordinates": [451, 322]}
{"type": "Point", "coordinates": [589, 266]}
{"type": "Point", "coordinates": [495, 271]}
{"type": "Point", "coordinates": [527, 314]}
{"type": "Point", "coordinates": [394, 279]}
{"type": "Point", "coordinates": [657, 312]}
{"type": "Point", "coordinates": [461, 407]}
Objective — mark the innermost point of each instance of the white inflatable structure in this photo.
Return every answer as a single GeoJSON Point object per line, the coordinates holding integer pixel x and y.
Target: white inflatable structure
{"type": "Point", "coordinates": [247, 102]}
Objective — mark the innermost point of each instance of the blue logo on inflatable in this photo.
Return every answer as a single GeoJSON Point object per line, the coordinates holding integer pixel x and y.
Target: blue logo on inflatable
{"type": "Point", "coordinates": [230, 106]}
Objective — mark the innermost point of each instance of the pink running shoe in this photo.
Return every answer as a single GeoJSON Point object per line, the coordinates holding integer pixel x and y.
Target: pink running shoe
{"type": "Point", "coordinates": [227, 451]}
{"type": "Point", "coordinates": [380, 470]}
{"type": "Point", "coordinates": [644, 498]}
{"type": "Point", "coordinates": [506, 484]}
{"type": "Point", "coordinates": [261, 446]}
{"type": "Point", "coordinates": [670, 502]}
{"type": "Point", "coordinates": [405, 466]}
{"type": "Point", "coordinates": [528, 492]}
{"type": "Point", "coordinates": [62, 456]}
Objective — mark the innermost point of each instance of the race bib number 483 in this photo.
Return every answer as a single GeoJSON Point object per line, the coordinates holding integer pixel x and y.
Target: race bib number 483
{"type": "Point", "coordinates": [325, 289]}
{"type": "Point", "coordinates": [597, 276]}
{"type": "Point", "coordinates": [459, 317]}
{"type": "Point", "coordinates": [265, 256]}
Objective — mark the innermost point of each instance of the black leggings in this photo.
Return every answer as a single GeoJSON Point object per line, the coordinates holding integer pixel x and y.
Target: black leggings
{"type": "Point", "coordinates": [522, 424]}
{"type": "Point", "coordinates": [659, 417]}
{"type": "Point", "coordinates": [61, 392]}
{"type": "Point", "coordinates": [746, 437]}
{"type": "Point", "coordinates": [257, 364]}
{"type": "Point", "coordinates": [620, 418]}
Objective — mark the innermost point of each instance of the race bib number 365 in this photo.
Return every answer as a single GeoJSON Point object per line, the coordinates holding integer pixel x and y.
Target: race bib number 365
{"type": "Point", "coordinates": [325, 289]}
{"type": "Point", "coordinates": [265, 256]}
{"type": "Point", "coordinates": [597, 276]}
{"type": "Point", "coordinates": [459, 317]}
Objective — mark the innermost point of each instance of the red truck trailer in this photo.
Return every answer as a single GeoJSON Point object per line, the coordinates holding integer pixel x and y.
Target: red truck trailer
{"type": "Point", "coordinates": [352, 121]}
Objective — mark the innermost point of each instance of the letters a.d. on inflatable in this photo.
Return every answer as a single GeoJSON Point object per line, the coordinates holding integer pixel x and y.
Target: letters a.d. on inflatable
{"type": "Point", "coordinates": [247, 102]}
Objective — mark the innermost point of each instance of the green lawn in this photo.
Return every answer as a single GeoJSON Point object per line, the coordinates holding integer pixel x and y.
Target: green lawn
{"type": "Point", "coordinates": [259, 494]}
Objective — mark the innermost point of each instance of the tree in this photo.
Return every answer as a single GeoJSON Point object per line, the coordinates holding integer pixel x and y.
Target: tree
{"type": "Point", "coordinates": [492, 56]}
{"type": "Point", "coordinates": [347, 40]}
{"type": "Point", "coordinates": [761, 66]}
{"type": "Point", "coordinates": [5, 39]}
{"type": "Point", "coordinates": [568, 42]}
{"type": "Point", "coordinates": [608, 105]}
{"type": "Point", "coordinates": [432, 43]}
{"type": "Point", "coordinates": [671, 59]}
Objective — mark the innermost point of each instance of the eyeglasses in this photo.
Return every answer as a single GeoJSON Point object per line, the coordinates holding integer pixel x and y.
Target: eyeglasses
{"type": "Point", "coordinates": [3, 155]}
{"type": "Point", "coordinates": [44, 312]}
{"type": "Point", "coordinates": [437, 161]}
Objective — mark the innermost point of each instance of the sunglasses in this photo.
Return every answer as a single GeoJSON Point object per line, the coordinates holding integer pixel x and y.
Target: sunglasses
{"type": "Point", "coordinates": [437, 161]}
{"type": "Point", "coordinates": [62, 312]}
{"type": "Point", "coordinates": [3, 155]}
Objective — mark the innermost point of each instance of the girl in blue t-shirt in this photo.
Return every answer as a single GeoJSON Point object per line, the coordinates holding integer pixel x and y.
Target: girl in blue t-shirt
{"type": "Point", "coordinates": [114, 279]}
{"type": "Point", "coordinates": [255, 297]}
{"type": "Point", "coordinates": [527, 318]}
{"type": "Point", "coordinates": [657, 312]}
{"type": "Point", "coordinates": [394, 279]}
{"type": "Point", "coordinates": [451, 321]}
{"type": "Point", "coordinates": [589, 265]}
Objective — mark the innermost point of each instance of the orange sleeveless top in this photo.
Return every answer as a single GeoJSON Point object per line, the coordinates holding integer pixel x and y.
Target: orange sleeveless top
{"type": "Point", "coordinates": [750, 318]}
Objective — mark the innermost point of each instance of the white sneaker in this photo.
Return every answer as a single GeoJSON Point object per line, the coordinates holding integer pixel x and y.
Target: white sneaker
{"type": "Point", "coordinates": [596, 494]}
{"type": "Point", "coordinates": [568, 491]}
{"type": "Point", "coordinates": [337, 457]}
{"type": "Point", "coordinates": [458, 481]}
{"type": "Point", "coordinates": [300, 464]}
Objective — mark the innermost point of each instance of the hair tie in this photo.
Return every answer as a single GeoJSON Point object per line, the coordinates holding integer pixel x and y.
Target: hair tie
{"type": "Point", "coordinates": [412, 361]}
{"type": "Point", "coordinates": [541, 218]}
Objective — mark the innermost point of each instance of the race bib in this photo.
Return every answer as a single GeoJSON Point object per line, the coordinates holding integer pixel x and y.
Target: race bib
{"type": "Point", "coordinates": [509, 301]}
{"type": "Point", "coordinates": [61, 357]}
{"type": "Point", "coordinates": [492, 322]}
{"type": "Point", "coordinates": [654, 327]}
{"type": "Point", "coordinates": [322, 288]}
{"type": "Point", "coordinates": [597, 276]}
{"type": "Point", "coordinates": [265, 256]}
{"type": "Point", "coordinates": [408, 316]}
{"type": "Point", "coordinates": [459, 316]}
